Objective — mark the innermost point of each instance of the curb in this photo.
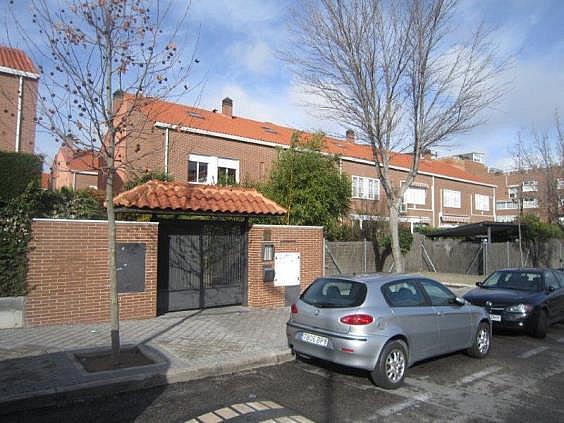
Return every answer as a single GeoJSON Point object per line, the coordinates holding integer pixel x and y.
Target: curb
{"type": "Point", "coordinates": [89, 390]}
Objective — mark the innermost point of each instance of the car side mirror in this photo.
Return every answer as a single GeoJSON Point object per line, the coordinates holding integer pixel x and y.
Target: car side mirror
{"type": "Point", "coordinates": [479, 283]}
{"type": "Point", "coordinates": [457, 301]}
{"type": "Point", "coordinates": [551, 289]}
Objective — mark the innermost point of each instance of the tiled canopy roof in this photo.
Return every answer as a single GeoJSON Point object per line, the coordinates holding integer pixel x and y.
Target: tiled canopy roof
{"type": "Point", "coordinates": [183, 197]}
{"type": "Point", "coordinates": [14, 58]}
{"type": "Point", "coordinates": [204, 120]}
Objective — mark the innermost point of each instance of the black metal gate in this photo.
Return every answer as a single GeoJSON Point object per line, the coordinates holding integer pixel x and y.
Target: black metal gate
{"type": "Point", "coordinates": [201, 264]}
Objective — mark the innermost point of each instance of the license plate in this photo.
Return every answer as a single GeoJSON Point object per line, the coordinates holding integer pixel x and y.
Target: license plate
{"type": "Point", "coordinates": [314, 339]}
{"type": "Point", "coordinates": [495, 317]}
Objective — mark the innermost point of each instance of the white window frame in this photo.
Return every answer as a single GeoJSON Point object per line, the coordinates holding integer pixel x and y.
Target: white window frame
{"type": "Point", "coordinates": [452, 199]}
{"type": "Point", "coordinates": [530, 203]}
{"type": "Point", "coordinates": [415, 195]}
{"type": "Point", "coordinates": [482, 202]}
{"type": "Point", "coordinates": [214, 163]}
{"type": "Point", "coordinates": [506, 205]}
{"type": "Point", "coordinates": [506, 218]}
{"type": "Point", "coordinates": [513, 191]}
{"type": "Point", "coordinates": [365, 188]}
{"type": "Point", "coordinates": [530, 186]}
{"type": "Point", "coordinates": [560, 183]}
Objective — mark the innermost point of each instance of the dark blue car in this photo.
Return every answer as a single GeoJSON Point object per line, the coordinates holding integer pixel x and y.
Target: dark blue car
{"type": "Point", "coordinates": [526, 299]}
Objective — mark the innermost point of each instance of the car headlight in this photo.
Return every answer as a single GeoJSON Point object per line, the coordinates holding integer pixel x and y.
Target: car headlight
{"type": "Point", "coordinates": [519, 308]}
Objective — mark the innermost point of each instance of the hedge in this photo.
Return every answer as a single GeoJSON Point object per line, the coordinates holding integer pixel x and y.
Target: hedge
{"type": "Point", "coordinates": [17, 170]}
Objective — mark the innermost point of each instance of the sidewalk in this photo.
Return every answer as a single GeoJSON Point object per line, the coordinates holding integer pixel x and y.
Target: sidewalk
{"type": "Point", "coordinates": [38, 362]}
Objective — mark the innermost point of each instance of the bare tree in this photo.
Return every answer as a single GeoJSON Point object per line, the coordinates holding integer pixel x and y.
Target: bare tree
{"type": "Point", "coordinates": [542, 160]}
{"type": "Point", "coordinates": [102, 62]}
{"type": "Point", "coordinates": [389, 70]}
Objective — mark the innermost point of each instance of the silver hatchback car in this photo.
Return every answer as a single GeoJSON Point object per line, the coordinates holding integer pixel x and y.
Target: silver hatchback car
{"type": "Point", "coordinates": [384, 323]}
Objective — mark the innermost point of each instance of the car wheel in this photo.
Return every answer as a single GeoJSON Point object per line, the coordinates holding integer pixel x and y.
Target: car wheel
{"type": "Point", "coordinates": [540, 325]}
{"type": "Point", "coordinates": [482, 342]}
{"type": "Point", "coordinates": [392, 365]}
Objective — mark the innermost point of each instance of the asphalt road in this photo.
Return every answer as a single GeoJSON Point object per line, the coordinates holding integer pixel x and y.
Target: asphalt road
{"type": "Point", "coordinates": [522, 380]}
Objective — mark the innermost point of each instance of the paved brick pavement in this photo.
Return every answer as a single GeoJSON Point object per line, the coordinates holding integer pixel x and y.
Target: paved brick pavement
{"type": "Point", "coordinates": [186, 345]}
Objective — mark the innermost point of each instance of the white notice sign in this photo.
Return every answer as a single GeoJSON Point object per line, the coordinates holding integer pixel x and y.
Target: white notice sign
{"type": "Point", "coordinates": [286, 269]}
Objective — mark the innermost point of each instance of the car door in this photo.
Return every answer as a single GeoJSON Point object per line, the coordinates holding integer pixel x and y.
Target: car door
{"type": "Point", "coordinates": [554, 283]}
{"type": "Point", "coordinates": [415, 316]}
{"type": "Point", "coordinates": [454, 321]}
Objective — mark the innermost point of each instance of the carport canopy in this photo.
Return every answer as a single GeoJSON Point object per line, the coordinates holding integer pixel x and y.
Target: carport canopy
{"type": "Point", "coordinates": [492, 231]}
{"type": "Point", "coordinates": [158, 197]}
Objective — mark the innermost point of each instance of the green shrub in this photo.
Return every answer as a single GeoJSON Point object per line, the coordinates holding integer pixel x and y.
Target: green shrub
{"type": "Point", "coordinates": [141, 178]}
{"type": "Point", "coordinates": [17, 170]}
{"type": "Point", "coordinates": [15, 227]}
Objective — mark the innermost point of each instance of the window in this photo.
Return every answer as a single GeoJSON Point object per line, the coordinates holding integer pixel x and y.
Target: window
{"type": "Point", "coordinates": [481, 202]}
{"type": "Point", "coordinates": [212, 170]}
{"type": "Point", "coordinates": [560, 276]}
{"type": "Point", "coordinates": [451, 198]}
{"type": "Point", "coordinates": [506, 218]}
{"type": "Point", "coordinates": [334, 293]}
{"type": "Point", "coordinates": [560, 184]}
{"type": "Point", "coordinates": [403, 294]}
{"type": "Point", "coordinates": [513, 192]}
{"type": "Point", "coordinates": [197, 171]}
{"type": "Point", "coordinates": [226, 176]}
{"type": "Point", "coordinates": [514, 279]}
{"type": "Point", "coordinates": [438, 294]}
{"type": "Point", "coordinates": [551, 281]}
{"type": "Point", "coordinates": [506, 205]}
{"type": "Point", "coordinates": [531, 203]}
{"type": "Point", "coordinates": [366, 188]}
{"type": "Point", "coordinates": [530, 186]}
{"type": "Point", "coordinates": [415, 196]}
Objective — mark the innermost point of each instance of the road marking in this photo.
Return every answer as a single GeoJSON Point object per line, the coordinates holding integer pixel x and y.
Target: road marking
{"type": "Point", "coordinates": [532, 352]}
{"type": "Point", "coordinates": [393, 409]}
{"type": "Point", "coordinates": [242, 408]}
{"type": "Point", "coordinates": [478, 375]}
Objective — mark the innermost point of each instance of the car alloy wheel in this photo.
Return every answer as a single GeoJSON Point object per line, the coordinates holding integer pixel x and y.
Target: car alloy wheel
{"type": "Point", "coordinates": [483, 340]}
{"type": "Point", "coordinates": [395, 365]}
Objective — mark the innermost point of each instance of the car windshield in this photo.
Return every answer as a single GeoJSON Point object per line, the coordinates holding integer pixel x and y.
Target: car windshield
{"type": "Point", "coordinates": [334, 293]}
{"type": "Point", "coordinates": [514, 279]}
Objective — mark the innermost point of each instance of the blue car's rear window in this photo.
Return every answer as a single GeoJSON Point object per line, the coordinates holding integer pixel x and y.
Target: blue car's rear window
{"type": "Point", "coordinates": [334, 293]}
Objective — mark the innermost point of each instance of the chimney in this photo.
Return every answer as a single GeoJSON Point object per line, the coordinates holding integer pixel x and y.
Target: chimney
{"type": "Point", "coordinates": [227, 107]}
{"type": "Point", "coordinates": [350, 135]}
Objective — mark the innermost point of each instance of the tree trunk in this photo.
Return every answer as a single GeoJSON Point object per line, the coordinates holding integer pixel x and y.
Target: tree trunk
{"type": "Point", "coordinates": [114, 300]}
{"type": "Point", "coordinates": [394, 232]}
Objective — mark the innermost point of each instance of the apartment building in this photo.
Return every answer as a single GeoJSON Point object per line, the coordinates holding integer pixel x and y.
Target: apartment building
{"type": "Point", "coordinates": [530, 190]}
{"type": "Point", "coordinates": [202, 147]}
{"type": "Point", "coordinates": [19, 80]}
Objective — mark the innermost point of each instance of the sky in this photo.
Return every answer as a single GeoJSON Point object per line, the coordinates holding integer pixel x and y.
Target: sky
{"type": "Point", "coordinates": [238, 41]}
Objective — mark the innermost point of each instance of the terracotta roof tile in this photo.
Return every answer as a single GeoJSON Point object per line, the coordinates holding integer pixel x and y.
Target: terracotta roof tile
{"type": "Point", "coordinates": [185, 116]}
{"type": "Point", "coordinates": [14, 58]}
{"type": "Point", "coordinates": [180, 196]}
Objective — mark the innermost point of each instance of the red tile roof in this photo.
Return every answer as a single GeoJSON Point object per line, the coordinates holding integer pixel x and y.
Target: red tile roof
{"type": "Point", "coordinates": [180, 196]}
{"type": "Point", "coordinates": [192, 117]}
{"type": "Point", "coordinates": [85, 160]}
{"type": "Point", "coordinates": [14, 58]}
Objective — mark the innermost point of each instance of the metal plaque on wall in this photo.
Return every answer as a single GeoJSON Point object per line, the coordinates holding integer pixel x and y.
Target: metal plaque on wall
{"type": "Point", "coordinates": [130, 259]}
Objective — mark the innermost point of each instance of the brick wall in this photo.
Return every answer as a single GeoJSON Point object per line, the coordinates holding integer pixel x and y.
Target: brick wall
{"type": "Point", "coordinates": [308, 241]}
{"type": "Point", "coordinates": [9, 86]}
{"type": "Point", "coordinates": [68, 277]}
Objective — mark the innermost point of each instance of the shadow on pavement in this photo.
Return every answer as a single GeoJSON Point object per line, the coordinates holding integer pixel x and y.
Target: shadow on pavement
{"type": "Point", "coordinates": [40, 387]}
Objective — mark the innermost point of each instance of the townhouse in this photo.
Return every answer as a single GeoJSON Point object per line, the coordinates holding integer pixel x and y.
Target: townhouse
{"type": "Point", "coordinates": [19, 80]}
{"type": "Point", "coordinates": [204, 147]}
{"type": "Point", "coordinates": [75, 168]}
